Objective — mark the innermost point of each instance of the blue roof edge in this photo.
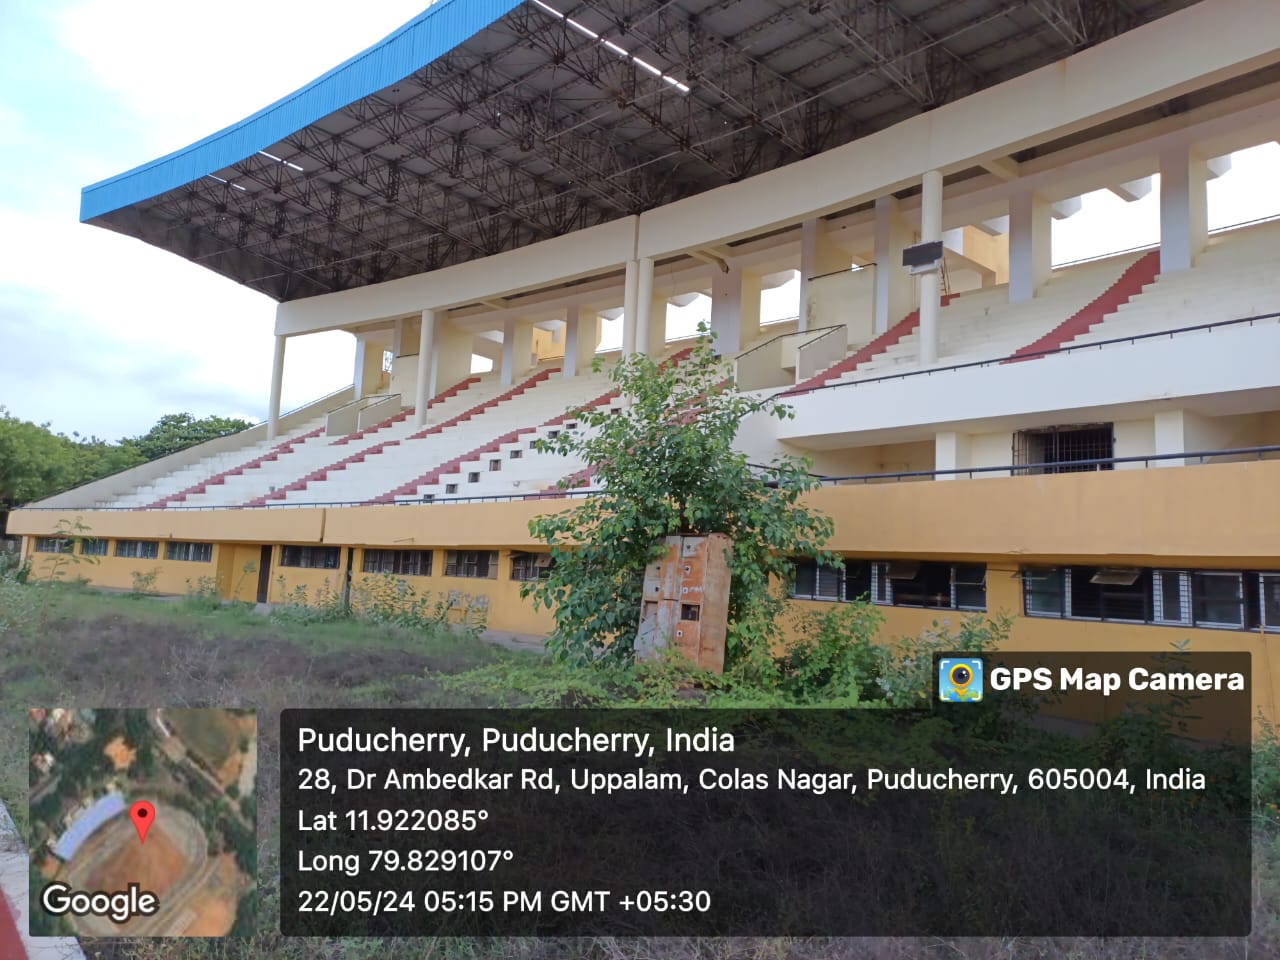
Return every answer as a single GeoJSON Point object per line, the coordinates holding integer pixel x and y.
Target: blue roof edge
{"type": "Point", "coordinates": [430, 34]}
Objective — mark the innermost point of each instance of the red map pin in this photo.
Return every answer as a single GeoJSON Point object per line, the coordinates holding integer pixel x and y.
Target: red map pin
{"type": "Point", "coordinates": [142, 813]}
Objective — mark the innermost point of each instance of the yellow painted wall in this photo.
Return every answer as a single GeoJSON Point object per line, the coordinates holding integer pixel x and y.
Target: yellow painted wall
{"type": "Point", "coordinates": [116, 573]}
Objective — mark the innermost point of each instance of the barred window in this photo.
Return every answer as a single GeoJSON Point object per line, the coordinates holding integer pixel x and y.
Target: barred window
{"type": "Point", "coordinates": [482, 564]}
{"type": "Point", "coordinates": [138, 549]}
{"type": "Point", "coordinates": [531, 566]}
{"type": "Point", "coordinates": [1044, 591]}
{"type": "Point", "coordinates": [1111, 593]}
{"type": "Point", "coordinates": [53, 545]}
{"type": "Point", "coordinates": [197, 552]}
{"type": "Point", "coordinates": [93, 548]}
{"type": "Point", "coordinates": [1217, 598]}
{"type": "Point", "coordinates": [931, 584]}
{"type": "Point", "coordinates": [315, 558]}
{"type": "Point", "coordinates": [1269, 600]}
{"type": "Point", "coordinates": [403, 563]}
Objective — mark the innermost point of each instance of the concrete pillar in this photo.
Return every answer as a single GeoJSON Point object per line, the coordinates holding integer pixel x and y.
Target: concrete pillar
{"type": "Point", "coordinates": [1184, 209]}
{"type": "Point", "coordinates": [517, 345]}
{"type": "Point", "coordinates": [277, 382]}
{"type": "Point", "coordinates": [644, 306]}
{"type": "Point", "coordinates": [894, 289]}
{"type": "Point", "coordinates": [735, 309]}
{"type": "Point", "coordinates": [451, 354]}
{"type": "Point", "coordinates": [397, 338]}
{"type": "Point", "coordinates": [950, 452]}
{"type": "Point", "coordinates": [931, 282]}
{"type": "Point", "coordinates": [819, 256]}
{"type": "Point", "coordinates": [426, 352]}
{"type": "Point", "coordinates": [581, 337]}
{"type": "Point", "coordinates": [1030, 245]}
{"type": "Point", "coordinates": [630, 305]}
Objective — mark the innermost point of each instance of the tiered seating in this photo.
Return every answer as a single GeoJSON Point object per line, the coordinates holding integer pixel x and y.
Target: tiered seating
{"type": "Point", "coordinates": [531, 468]}
{"type": "Point", "coordinates": [984, 325]}
{"type": "Point", "coordinates": [1238, 275]}
{"type": "Point", "coordinates": [1140, 273]}
{"type": "Point", "coordinates": [192, 479]}
{"type": "Point", "coordinates": [406, 413]}
{"type": "Point", "coordinates": [368, 472]}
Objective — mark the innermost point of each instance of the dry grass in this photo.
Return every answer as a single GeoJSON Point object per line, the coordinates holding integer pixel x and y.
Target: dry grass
{"type": "Point", "coordinates": [112, 652]}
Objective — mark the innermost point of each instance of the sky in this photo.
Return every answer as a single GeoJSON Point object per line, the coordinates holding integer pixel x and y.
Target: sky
{"type": "Point", "coordinates": [101, 334]}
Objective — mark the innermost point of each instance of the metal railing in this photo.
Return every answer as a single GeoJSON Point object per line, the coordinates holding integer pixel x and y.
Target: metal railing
{"type": "Point", "coordinates": [1265, 452]}
{"type": "Point", "coordinates": [1057, 466]}
{"type": "Point", "coordinates": [1070, 348]}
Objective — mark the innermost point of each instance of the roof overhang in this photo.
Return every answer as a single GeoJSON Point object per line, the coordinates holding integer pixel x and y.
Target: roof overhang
{"type": "Point", "coordinates": [484, 126]}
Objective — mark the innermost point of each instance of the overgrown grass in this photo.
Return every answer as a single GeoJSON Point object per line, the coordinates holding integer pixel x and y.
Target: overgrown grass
{"type": "Point", "coordinates": [67, 646]}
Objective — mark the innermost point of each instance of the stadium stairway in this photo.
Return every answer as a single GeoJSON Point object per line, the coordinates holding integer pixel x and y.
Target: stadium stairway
{"type": "Point", "coordinates": [861, 355]}
{"type": "Point", "coordinates": [406, 413]}
{"type": "Point", "coordinates": [1139, 274]}
{"type": "Point", "coordinates": [1237, 276]}
{"type": "Point", "coordinates": [361, 475]}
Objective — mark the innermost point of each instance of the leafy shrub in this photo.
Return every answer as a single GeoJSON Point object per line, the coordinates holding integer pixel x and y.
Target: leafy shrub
{"type": "Point", "coordinates": [203, 594]}
{"type": "Point", "coordinates": [144, 582]}
{"type": "Point", "coordinates": [834, 657]}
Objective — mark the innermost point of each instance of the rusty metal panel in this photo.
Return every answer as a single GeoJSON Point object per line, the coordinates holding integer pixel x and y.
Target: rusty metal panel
{"type": "Point", "coordinates": [686, 601]}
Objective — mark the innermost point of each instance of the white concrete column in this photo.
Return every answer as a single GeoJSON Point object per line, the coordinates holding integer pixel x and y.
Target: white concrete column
{"type": "Point", "coordinates": [931, 282]}
{"type": "Point", "coordinates": [630, 304]}
{"type": "Point", "coordinates": [1030, 245]}
{"type": "Point", "coordinates": [397, 338]}
{"type": "Point", "coordinates": [644, 306]}
{"type": "Point", "coordinates": [893, 283]}
{"type": "Point", "coordinates": [950, 452]}
{"type": "Point", "coordinates": [277, 382]}
{"type": "Point", "coordinates": [818, 258]}
{"type": "Point", "coordinates": [358, 377]}
{"type": "Point", "coordinates": [735, 308]}
{"type": "Point", "coordinates": [1184, 209]}
{"type": "Point", "coordinates": [426, 347]}
{"type": "Point", "coordinates": [517, 344]}
{"type": "Point", "coordinates": [581, 337]}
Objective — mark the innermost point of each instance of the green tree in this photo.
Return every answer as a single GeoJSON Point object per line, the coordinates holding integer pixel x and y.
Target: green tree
{"type": "Point", "coordinates": [177, 431]}
{"type": "Point", "coordinates": [668, 467]}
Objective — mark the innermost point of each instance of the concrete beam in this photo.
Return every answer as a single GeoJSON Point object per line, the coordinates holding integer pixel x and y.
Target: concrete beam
{"type": "Point", "coordinates": [1005, 168]}
{"type": "Point", "coordinates": [1065, 208]}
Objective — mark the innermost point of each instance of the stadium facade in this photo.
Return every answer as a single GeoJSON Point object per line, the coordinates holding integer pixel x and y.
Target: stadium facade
{"type": "Point", "coordinates": [1093, 448]}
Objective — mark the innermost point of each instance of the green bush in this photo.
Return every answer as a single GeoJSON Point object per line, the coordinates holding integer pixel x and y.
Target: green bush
{"type": "Point", "coordinates": [203, 595]}
{"type": "Point", "coordinates": [144, 582]}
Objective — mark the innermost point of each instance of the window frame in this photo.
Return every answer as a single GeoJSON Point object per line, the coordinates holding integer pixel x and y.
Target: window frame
{"type": "Point", "coordinates": [305, 556]}
{"type": "Point", "coordinates": [195, 551]}
{"type": "Point", "coordinates": [457, 563]}
{"type": "Point", "coordinates": [138, 549]}
{"type": "Point", "coordinates": [397, 562]}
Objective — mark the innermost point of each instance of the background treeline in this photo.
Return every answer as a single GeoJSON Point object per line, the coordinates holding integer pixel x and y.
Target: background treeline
{"type": "Point", "coordinates": [35, 462]}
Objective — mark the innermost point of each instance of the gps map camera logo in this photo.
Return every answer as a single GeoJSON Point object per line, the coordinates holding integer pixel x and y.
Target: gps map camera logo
{"type": "Point", "coordinates": [960, 679]}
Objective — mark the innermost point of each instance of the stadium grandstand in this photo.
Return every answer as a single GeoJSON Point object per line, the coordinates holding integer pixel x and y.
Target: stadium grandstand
{"type": "Point", "coordinates": [1094, 448]}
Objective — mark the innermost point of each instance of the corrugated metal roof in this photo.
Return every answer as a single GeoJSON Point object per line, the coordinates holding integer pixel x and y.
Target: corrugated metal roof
{"type": "Point", "coordinates": [103, 809]}
{"type": "Point", "coordinates": [435, 31]}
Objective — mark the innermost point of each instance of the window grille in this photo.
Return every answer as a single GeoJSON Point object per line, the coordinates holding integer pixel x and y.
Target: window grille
{"type": "Point", "coordinates": [1217, 598]}
{"type": "Point", "coordinates": [138, 549]}
{"type": "Point", "coordinates": [196, 552]}
{"type": "Point", "coordinates": [530, 566]}
{"type": "Point", "coordinates": [1064, 445]}
{"type": "Point", "coordinates": [314, 558]}
{"type": "Point", "coordinates": [1269, 600]}
{"type": "Point", "coordinates": [53, 545]}
{"type": "Point", "coordinates": [93, 548]}
{"type": "Point", "coordinates": [482, 564]}
{"type": "Point", "coordinates": [402, 563]}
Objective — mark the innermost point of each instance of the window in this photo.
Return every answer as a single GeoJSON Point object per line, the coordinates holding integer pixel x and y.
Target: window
{"type": "Point", "coordinates": [93, 548]}
{"type": "Point", "coordinates": [1110, 593]}
{"type": "Point", "coordinates": [1044, 591]}
{"type": "Point", "coordinates": [1269, 600]}
{"type": "Point", "coordinates": [138, 549]}
{"type": "Point", "coordinates": [1217, 598]}
{"type": "Point", "coordinates": [495, 465]}
{"type": "Point", "coordinates": [450, 488]}
{"type": "Point", "coordinates": [473, 478]}
{"type": "Point", "coordinates": [1065, 447]}
{"type": "Point", "coordinates": [1171, 596]}
{"type": "Point", "coordinates": [969, 586]}
{"type": "Point", "coordinates": [530, 566]}
{"type": "Point", "coordinates": [314, 558]}
{"type": "Point", "coordinates": [815, 581]}
{"type": "Point", "coordinates": [482, 564]}
{"type": "Point", "coordinates": [938, 585]}
{"type": "Point", "coordinates": [200, 552]}
{"type": "Point", "coordinates": [53, 545]}
{"type": "Point", "coordinates": [517, 454]}
{"type": "Point", "coordinates": [533, 444]}
{"type": "Point", "coordinates": [404, 563]}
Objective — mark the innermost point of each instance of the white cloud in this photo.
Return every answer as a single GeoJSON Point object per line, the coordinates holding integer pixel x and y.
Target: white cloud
{"type": "Point", "coordinates": [187, 71]}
